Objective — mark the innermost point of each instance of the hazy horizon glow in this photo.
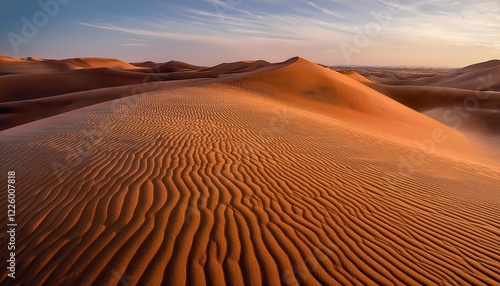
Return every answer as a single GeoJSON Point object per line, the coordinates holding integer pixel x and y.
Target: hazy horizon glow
{"type": "Point", "coordinates": [332, 32]}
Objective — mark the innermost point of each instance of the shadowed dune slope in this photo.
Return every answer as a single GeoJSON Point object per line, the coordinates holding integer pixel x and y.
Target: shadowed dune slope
{"type": "Point", "coordinates": [422, 98]}
{"type": "Point", "coordinates": [171, 66]}
{"type": "Point", "coordinates": [487, 78]}
{"type": "Point", "coordinates": [19, 112]}
{"type": "Point", "coordinates": [222, 184]}
{"type": "Point", "coordinates": [176, 66]}
{"type": "Point", "coordinates": [23, 87]}
{"type": "Point", "coordinates": [480, 66]}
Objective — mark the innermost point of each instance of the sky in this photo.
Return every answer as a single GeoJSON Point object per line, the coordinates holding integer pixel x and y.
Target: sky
{"type": "Point", "coordinates": [433, 33]}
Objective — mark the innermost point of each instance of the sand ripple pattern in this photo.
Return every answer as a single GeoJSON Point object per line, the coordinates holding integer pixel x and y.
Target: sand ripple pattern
{"type": "Point", "coordinates": [212, 186]}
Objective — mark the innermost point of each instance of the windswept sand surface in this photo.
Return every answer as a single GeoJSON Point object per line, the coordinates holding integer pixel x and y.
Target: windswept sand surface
{"type": "Point", "coordinates": [252, 174]}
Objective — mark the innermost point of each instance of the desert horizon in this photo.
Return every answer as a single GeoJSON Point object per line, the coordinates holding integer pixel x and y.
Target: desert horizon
{"type": "Point", "coordinates": [240, 142]}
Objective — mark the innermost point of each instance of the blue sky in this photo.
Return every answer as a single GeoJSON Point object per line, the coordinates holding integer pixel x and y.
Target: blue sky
{"type": "Point", "coordinates": [333, 32]}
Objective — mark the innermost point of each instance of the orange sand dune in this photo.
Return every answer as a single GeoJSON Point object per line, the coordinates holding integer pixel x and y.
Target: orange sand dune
{"type": "Point", "coordinates": [9, 59]}
{"type": "Point", "coordinates": [288, 174]}
{"type": "Point", "coordinates": [176, 66]}
{"type": "Point", "coordinates": [13, 66]}
{"type": "Point", "coordinates": [482, 76]}
{"type": "Point", "coordinates": [243, 66]}
{"type": "Point", "coordinates": [474, 112]}
{"type": "Point", "coordinates": [171, 66]}
{"type": "Point", "coordinates": [146, 64]}
{"type": "Point", "coordinates": [320, 89]}
{"type": "Point", "coordinates": [98, 63]}
{"type": "Point", "coordinates": [35, 65]}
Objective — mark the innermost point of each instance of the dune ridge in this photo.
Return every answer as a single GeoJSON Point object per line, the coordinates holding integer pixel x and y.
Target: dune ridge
{"type": "Point", "coordinates": [280, 174]}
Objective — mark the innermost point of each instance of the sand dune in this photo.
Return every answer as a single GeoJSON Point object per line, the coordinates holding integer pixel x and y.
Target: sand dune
{"type": "Point", "coordinates": [33, 65]}
{"type": "Point", "coordinates": [423, 98]}
{"type": "Point", "coordinates": [312, 87]}
{"type": "Point", "coordinates": [482, 77]}
{"type": "Point", "coordinates": [473, 112]}
{"type": "Point", "coordinates": [22, 95]}
{"type": "Point", "coordinates": [9, 59]}
{"type": "Point", "coordinates": [98, 63]}
{"type": "Point", "coordinates": [274, 174]}
{"type": "Point", "coordinates": [479, 78]}
{"type": "Point", "coordinates": [176, 66]}
{"type": "Point", "coordinates": [171, 66]}
{"type": "Point", "coordinates": [480, 66]}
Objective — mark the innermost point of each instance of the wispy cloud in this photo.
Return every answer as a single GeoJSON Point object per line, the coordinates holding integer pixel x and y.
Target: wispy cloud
{"type": "Point", "coordinates": [326, 11]}
{"type": "Point", "coordinates": [137, 40]}
{"type": "Point", "coordinates": [135, 45]}
{"type": "Point", "coordinates": [150, 33]}
{"type": "Point", "coordinates": [222, 7]}
{"type": "Point", "coordinates": [464, 23]}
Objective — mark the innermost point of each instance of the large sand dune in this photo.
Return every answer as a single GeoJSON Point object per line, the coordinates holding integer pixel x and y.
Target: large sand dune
{"type": "Point", "coordinates": [259, 174]}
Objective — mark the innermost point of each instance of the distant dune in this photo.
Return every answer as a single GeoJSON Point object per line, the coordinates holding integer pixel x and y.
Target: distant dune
{"type": "Point", "coordinates": [482, 76]}
{"type": "Point", "coordinates": [33, 65]}
{"type": "Point", "coordinates": [467, 99]}
{"type": "Point", "coordinates": [249, 173]}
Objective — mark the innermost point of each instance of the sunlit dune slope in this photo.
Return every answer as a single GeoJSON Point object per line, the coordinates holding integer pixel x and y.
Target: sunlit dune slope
{"type": "Point", "coordinates": [312, 87]}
